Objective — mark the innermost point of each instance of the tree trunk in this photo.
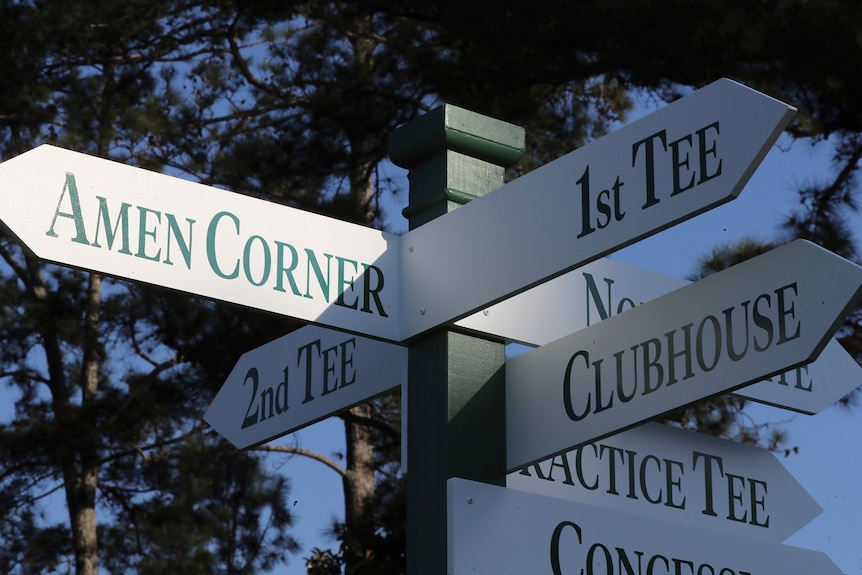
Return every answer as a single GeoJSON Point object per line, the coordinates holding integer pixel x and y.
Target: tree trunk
{"type": "Point", "coordinates": [81, 498]}
{"type": "Point", "coordinates": [358, 489]}
{"type": "Point", "coordinates": [81, 469]}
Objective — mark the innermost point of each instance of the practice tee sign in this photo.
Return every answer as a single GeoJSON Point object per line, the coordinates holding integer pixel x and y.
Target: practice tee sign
{"type": "Point", "coordinates": [103, 216]}
{"type": "Point", "coordinates": [753, 320]}
{"type": "Point", "coordinates": [681, 476]}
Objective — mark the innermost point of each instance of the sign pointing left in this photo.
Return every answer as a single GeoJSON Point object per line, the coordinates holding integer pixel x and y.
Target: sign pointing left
{"type": "Point", "coordinates": [299, 379]}
{"type": "Point", "coordinates": [103, 216]}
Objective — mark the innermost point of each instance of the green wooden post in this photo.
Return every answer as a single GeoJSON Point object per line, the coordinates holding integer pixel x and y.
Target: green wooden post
{"type": "Point", "coordinates": [456, 400]}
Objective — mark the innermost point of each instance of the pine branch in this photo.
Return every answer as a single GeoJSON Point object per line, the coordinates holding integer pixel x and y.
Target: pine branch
{"type": "Point", "coordinates": [304, 452]}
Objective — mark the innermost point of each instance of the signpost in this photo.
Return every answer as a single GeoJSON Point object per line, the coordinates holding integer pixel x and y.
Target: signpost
{"type": "Point", "coordinates": [607, 287]}
{"type": "Point", "coordinates": [671, 165]}
{"type": "Point", "coordinates": [666, 473]}
{"type": "Point", "coordinates": [497, 530]}
{"type": "Point", "coordinates": [301, 378]}
{"type": "Point", "coordinates": [751, 321]}
{"type": "Point", "coordinates": [103, 216]}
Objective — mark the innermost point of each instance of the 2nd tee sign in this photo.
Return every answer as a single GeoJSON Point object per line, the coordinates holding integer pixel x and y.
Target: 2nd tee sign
{"type": "Point", "coordinates": [301, 378]}
{"type": "Point", "coordinates": [758, 318]}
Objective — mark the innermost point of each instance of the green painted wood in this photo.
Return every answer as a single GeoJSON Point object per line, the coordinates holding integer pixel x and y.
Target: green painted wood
{"type": "Point", "coordinates": [452, 155]}
{"type": "Point", "coordinates": [456, 395]}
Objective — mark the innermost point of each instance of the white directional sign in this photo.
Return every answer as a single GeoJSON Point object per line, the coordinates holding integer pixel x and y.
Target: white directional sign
{"type": "Point", "coordinates": [496, 530]}
{"type": "Point", "coordinates": [681, 476]}
{"type": "Point", "coordinates": [811, 388]}
{"type": "Point", "coordinates": [301, 378]}
{"type": "Point", "coordinates": [680, 161]}
{"type": "Point", "coordinates": [751, 321]}
{"type": "Point", "coordinates": [607, 287]}
{"type": "Point", "coordinates": [128, 222]}
{"type": "Point", "coordinates": [572, 301]}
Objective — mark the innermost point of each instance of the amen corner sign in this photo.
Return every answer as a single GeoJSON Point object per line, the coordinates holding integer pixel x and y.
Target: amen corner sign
{"type": "Point", "coordinates": [753, 320]}
{"type": "Point", "coordinates": [128, 222]}
{"type": "Point", "coordinates": [103, 216]}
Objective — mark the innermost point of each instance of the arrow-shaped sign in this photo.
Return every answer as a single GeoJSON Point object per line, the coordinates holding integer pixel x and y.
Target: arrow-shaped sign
{"type": "Point", "coordinates": [299, 379]}
{"type": "Point", "coordinates": [671, 165]}
{"type": "Point", "coordinates": [607, 287]}
{"type": "Point", "coordinates": [680, 476]}
{"type": "Point", "coordinates": [746, 323]}
{"type": "Point", "coordinates": [811, 388]}
{"type": "Point", "coordinates": [103, 216]}
{"type": "Point", "coordinates": [497, 530]}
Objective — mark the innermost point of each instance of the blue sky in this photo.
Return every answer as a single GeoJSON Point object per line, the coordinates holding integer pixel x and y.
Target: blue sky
{"type": "Point", "coordinates": [828, 454]}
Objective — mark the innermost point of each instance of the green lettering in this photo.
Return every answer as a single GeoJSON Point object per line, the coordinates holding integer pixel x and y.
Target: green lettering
{"type": "Point", "coordinates": [246, 261]}
{"type": "Point", "coordinates": [649, 158]}
{"type": "Point", "coordinates": [185, 246]}
{"type": "Point", "coordinates": [211, 246]}
{"type": "Point", "coordinates": [707, 477]}
{"type": "Point", "coordinates": [76, 216]}
{"type": "Point", "coordinates": [555, 544]}
{"type": "Point", "coordinates": [758, 502]}
{"type": "Point", "coordinates": [345, 282]}
{"type": "Point", "coordinates": [704, 152]}
{"type": "Point", "coordinates": [370, 292]}
{"type": "Point", "coordinates": [564, 465]}
{"type": "Point", "coordinates": [347, 360]}
{"type": "Point", "coordinates": [286, 271]}
{"type": "Point", "coordinates": [783, 312]}
{"type": "Point", "coordinates": [143, 233]}
{"type": "Point", "coordinates": [318, 273]}
{"type": "Point", "coordinates": [733, 496]}
{"type": "Point", "coordinates": [111, 232]}
{"type": "Point", "coordinates": [593, 293]}
{"type": "Point", "coordinates": [679, 163]}
{"type": "Point", "coordinates": [567, 388]}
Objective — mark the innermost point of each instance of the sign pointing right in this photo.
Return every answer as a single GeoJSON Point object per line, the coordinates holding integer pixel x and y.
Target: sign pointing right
{"type": "Point", "coordinates": [497, 530]}
{"type": "Point", "coordinates": [607, 287]}
{"type": "Point", "coordinates": [755, 319]}
{"type": "Point", "coordinates": [667, 167]}
{"type": "Point", "coordinates": [680, 476]}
